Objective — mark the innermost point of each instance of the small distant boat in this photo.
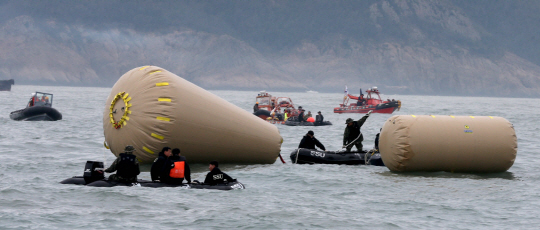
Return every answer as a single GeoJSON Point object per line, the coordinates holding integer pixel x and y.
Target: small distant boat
{"type": "Point", "coordinates": [39, 108]}
{"type": "Point", "coordinates": [371, 102]}
{"type": "Point", "coordinates": [273, 109]}
{"type": "Point", "coordinates": [311, 91]}
{"type": "Point", "coordinates": [5, 85]}
{"type": "Point", "coordinates": [313, 156]}
{"type": "Point", "coordinates": [294, 122]}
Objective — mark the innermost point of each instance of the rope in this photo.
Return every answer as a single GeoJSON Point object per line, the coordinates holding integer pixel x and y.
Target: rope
{"type": "Point", "coordinates": [296, 162]}
{"type": "Point", "coordinates": [366, 159]}
{"type": "Point", "coordinates": [350, 143]}
{"type": "Point", "coordinates": [281, 158]}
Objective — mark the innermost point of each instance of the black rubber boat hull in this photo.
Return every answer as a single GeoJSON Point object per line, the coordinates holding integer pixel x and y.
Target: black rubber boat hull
{"type": "Point", "coordinates": [79, 180]}
{"type": "Point", "coordinates": [36, 113]}
{"type": "Point", "coordinates": [312, 156]}
{"type": "Point", "coordinates": [306, 123]}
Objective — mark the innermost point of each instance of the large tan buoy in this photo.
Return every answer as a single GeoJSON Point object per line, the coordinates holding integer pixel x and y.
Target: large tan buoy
{"type": "Point", "coordinates": [150, 108]}
{"type": "Point", "coordinates": [411, 143]}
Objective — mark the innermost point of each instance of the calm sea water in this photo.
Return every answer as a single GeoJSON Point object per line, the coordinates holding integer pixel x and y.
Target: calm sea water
{"type": "Point", "coordinates": [35, 156]}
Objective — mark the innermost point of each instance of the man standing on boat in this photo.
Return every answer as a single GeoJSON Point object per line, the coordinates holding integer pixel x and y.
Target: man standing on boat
{"type": "Point", "coordinates": [352, 135]}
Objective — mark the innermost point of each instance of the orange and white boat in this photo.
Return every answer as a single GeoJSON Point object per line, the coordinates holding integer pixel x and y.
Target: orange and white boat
{"type": "Point", "coordinates": [371, 102]}
{"type": "Point", "coordinates": [275, 110]}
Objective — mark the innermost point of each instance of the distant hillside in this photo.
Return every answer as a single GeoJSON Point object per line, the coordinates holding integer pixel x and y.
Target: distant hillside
{"type": "Point", "coordinates": [415, 47]}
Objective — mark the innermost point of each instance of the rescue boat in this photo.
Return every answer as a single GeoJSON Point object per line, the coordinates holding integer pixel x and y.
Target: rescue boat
{"type": "Point", "coordinates": [39, 108]}
{"type": "Point", "coordinates": [371, 102]}
{"type": "Point", "coordinates": [313, 156]}
{"type": "Point", "coordinates": [91, 177]}
{"type": "Point", "coordinates": [275, 110]}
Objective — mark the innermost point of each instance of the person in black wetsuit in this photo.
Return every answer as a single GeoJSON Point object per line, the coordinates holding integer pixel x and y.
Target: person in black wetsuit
{"type": "Point", "coordinates": [309, 142]}
{"type": "Point", "coordinates": [126, 166]}
{"type": "Point", "coordinates": [159, 163]}
{"type": "Point", "coordinates": [377, 140]}
{"type": "Point", "coordinates": [256, 107]}
{"type": "Point", "coordinates": [176, 169]}
{"type": "Point", "coordinates": [319, 118]}
{"type": "Point", "coordinates": [216, 176]}
{"type": "Point", "coordinates": [300, 117]}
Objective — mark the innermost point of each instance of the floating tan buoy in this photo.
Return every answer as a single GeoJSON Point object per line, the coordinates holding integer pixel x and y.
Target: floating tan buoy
{"type": "Point", "coordinates": [411, 143]}
{"type": "Point", "coordinates": [151, 108]}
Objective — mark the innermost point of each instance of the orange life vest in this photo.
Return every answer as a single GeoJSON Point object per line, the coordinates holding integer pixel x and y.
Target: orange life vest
{"type": "Point", "coordinates": [178, 170]}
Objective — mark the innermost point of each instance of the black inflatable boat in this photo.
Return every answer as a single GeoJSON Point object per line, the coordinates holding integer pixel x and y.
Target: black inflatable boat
{"type": "Point", "coordinates": [92, 178]}
{"type": "Point", "coordinates": [306, 123]}
{"type": "Point", "coordinates": [312, 156]}
{"type": "Point", "coordinates": [39, 108]}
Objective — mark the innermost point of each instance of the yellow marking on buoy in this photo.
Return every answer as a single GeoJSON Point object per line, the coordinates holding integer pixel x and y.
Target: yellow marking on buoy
{"type": "Point", "coordinates": [124, 123]}
{"type": "Point", "coordinates": [129, 99]}
{"type": "Point", "coordinates": [125, 96]}
{"type": "Point", "coordinates": [452, 116]}
{"type": "Point", "coordinates": [148, 150]}
{"type": "Point", "coordinates": [413, 115]}
{"type": "Point", "coordinates": [162, 84]}
{"type": "Point", "coordinates": [163, 119]}
{"type": "Point", "coordinates": [127, 118]}
{"type": "Point", "coordinates": [157, 136]}
{"type": "Point", "coordinates": [491, 117]}
{"type": "Point", "coordinates": [471, 116]}
{"type": "Point", "coordinates": [432, 116]}
{"type": "Point", "coordinates": [164, 99]}
{"type": "Point", "coordinates": [129, 111]}
{"type": "Point", "coordinates": [144, 67]}
{"type": "Point", "coordinates": [128, 105]}
{"type": "Point", "coordinates": [153, 72]}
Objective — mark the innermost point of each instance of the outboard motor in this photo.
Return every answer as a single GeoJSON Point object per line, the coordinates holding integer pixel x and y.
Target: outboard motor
{"type": "Point", "coordinates": [91, 173]}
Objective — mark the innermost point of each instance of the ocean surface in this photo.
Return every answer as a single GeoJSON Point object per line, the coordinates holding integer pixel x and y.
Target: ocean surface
{"type": "Point", "coordinates": [36, 156]}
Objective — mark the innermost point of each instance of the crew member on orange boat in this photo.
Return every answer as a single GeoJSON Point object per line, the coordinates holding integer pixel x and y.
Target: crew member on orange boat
{"type": "Point", "coordinates": [287, 114]}
{"type": "Point", "coordinates": [256, 107]}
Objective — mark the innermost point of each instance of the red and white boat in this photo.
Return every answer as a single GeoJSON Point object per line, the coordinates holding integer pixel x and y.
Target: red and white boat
{"type": "Point", "coordinates": [370, 102]}
{"type": "Point", "coordinates": [275, 109]}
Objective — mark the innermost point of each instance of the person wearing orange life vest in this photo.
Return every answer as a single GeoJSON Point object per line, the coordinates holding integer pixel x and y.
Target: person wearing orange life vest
{"type": "Point", "coordinates": [176, 169]}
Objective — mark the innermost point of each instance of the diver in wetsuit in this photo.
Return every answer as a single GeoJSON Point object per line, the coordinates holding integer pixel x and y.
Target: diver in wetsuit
{"type": "Point", "coordinates": [159, 163]}
{"type": "Point", "coordinates": [216, 176]}
{"type": "Point", "coordinates": [309, 142]}
{"type": "Point", "coordinates": [319, 118]}
{"type": "Point", "coordinates": [300, 117]}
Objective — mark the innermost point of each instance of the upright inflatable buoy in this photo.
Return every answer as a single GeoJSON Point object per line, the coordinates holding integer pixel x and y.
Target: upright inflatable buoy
{"type": "Point", "coordinates": [411, 143]}
{"type": "Point", "coordinates": [150, 108]}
